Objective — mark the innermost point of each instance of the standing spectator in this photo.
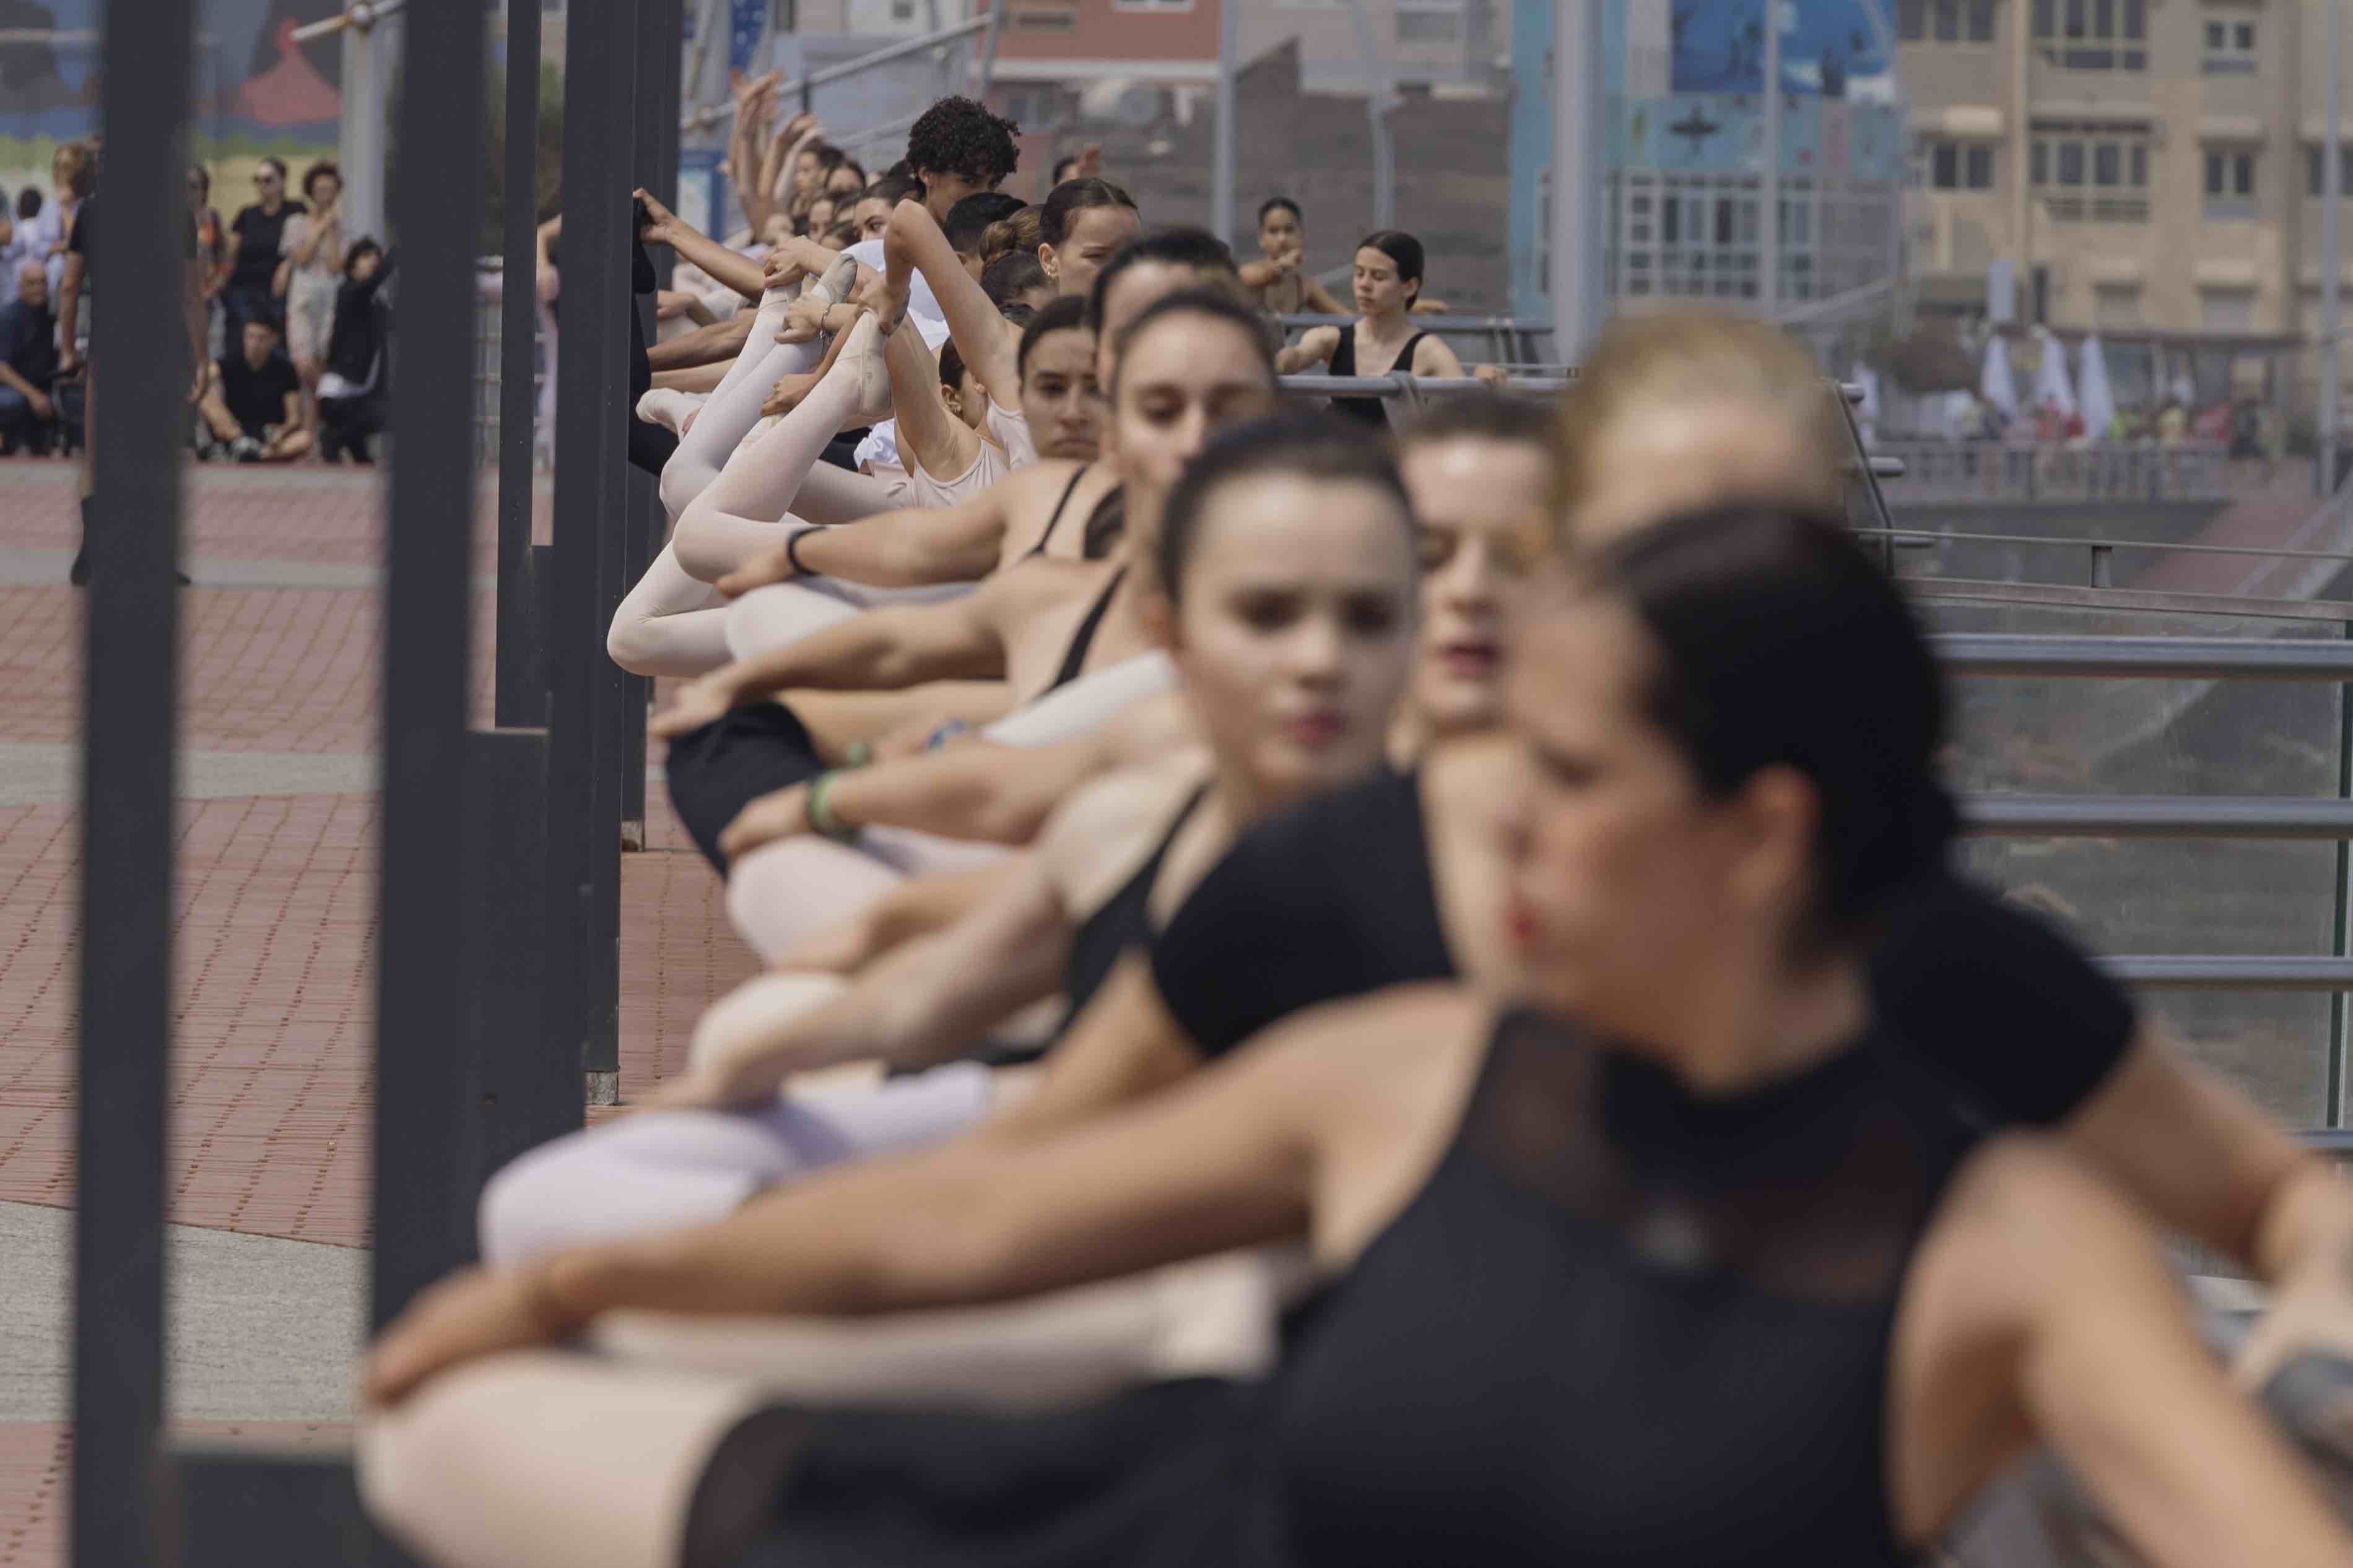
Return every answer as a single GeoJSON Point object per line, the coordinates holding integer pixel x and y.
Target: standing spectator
{"type": "Point", "coordinates": [53, 226]}
{"type": "Point", "coordinates": [212, 242]}
{"type": "Point", "coordinates": [254, 405]}
{"type": "Point", "coordinates": [352, 387]}
{"type": "Point", "coordinates": [308, 274]}
{"type": "Point", "coordinates": [28, 363]}
{"type": "Point", "coordinates": [256, 235]}
{"type": "Point", "coordinates": [73, 323]}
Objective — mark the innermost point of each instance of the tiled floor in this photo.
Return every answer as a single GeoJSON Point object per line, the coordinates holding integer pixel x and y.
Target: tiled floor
{"type": "Point", "coordinates": [275, 895]}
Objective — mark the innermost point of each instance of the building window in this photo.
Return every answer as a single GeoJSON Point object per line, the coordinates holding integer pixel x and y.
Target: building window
{"type": "Point", "coordinates": [1944, 21]}
{"type": "Point", "coordinates": [2230, 185]}
{"type": "Point", "coordinates": [2097, 173]}
{"type": "Point", "coordinates": [1424, 24]}
{"type": "Point", "coordinates": [2313, 162]}
{"type": "Point", "coordinates": [1959, 165]}
{"type": "Point", "coordinates": [2093, 35]}
{"type": "Point", "coordinates": [784, 16]}
{"type": "Point", "coordinates": [2226, 310]}
{"type": "Point", "coordinates": [2115, 305]}
{"type": "Point", "coordinates": [2230, 49]}
{"type": "Point", "coordinates": [1152, 5]}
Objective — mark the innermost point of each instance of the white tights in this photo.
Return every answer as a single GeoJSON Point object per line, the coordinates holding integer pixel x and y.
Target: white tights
{"type": "Point", "coordinates": [657, 1171]}
{"type": "Point", "coordinates": [768, 618]}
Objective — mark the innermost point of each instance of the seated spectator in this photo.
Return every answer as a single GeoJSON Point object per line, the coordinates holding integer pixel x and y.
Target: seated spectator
{"type": "Point", "coordinates": [28, 363]}
{"type": "Point", "coordinates": [253, 400]}
{"type": "Point", "coordinates": [351, 393]}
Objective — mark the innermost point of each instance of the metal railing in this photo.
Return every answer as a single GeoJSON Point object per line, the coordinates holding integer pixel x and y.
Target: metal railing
{"type": "Point", "coordinates": [711, 115]}
{"type": "Point", "coordinates": [1517, 340]}
{"type": "Point", "coordinates": [1994, 471]}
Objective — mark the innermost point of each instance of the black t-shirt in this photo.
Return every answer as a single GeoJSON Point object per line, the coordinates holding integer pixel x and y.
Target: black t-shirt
{"type": "Point", "coordinates": [29, 341]}
{"type": "Point", "coordinates": [1333, 897]}
{"type": "Point", "coordinates": [257, 398]}
{"type": "Point", "coordinates": [259, 233]}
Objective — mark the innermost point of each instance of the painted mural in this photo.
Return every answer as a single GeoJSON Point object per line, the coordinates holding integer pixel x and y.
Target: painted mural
{"type": "Point", "coordinates": [256, 91]}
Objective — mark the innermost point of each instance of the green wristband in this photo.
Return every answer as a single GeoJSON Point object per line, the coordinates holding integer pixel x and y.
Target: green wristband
{"type": "Point", "coordinates": [820, 817]}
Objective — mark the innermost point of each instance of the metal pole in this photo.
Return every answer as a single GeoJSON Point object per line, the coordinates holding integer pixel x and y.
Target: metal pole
{"type": "Point", "coordinates": [122, 1478]}
{"type": "Point", "coordinates": [1768, 207]}
{"type": "Point", "coordinates": [361, 148]}
{"type": "Point", "coordinates": [520, 698]}
{"type": "Point", "coordinates": [1576, 145]}
{"type": "Point", "coordinates": [423, 1218]}
{"type": "Point", "coordinates": [2341, 912]}
{"type": "Point", "coordinates": [583, 797]}
{"type": "Point", "coordinates": [1222, 195]}
{"type": "Point", "coordinates": [2332, 188]}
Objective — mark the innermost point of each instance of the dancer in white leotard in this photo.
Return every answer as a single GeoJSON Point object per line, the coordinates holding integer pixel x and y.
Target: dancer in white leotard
{"type": "Point", "coordinates": [1300, 513]}
{"type": "Point", "coordinates": [945, 545]}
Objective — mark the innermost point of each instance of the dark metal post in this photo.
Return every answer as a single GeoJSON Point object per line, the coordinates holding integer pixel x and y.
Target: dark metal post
{"type": "Point", "coordinates": [421, 1205]}
{"type": "Point", "coordinates": [522, 696]}
{"type": "Point", "coordinates": [121, 1479]}
{"type": "Point", "coordinates": [584, 774]}
{"type": "Point", "coordinates": [659, 47]}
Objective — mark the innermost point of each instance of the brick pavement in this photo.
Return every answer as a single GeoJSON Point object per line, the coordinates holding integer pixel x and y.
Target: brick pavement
{"type": "Point", "coordinates": [275, 897]}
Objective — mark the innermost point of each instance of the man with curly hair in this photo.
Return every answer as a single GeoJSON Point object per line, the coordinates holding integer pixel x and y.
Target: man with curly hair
{"type": "Point", "coordinates": [959, 149]}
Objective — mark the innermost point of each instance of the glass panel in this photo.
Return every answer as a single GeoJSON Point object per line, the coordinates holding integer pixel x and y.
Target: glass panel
{"type": "Point", "coordinates": [2139, 165]}
{"type": "Point", "coordinates": [1981, 21]}
{"type": "Point", "coordinates": [2132, 29]}
{"type": "Point", "coordinates": [2244, 37]}
{"type": "Point", "coordinates": [2108, 160]}
{"type": "Point", "coordinates": [2243, 172]}
{"type": "Point", "coordinates": [2213, 173]}
{"type": "Point", "coordinates": [2070, 162]}
{"type": "Point", "coordinates": [2103, 19]}
{"type": "Point", "coordinates": [2044, 13]}
{"type": "Point", "coordinates": [1908, 18]}
{"type": "Point", "coordinates": [1942, 162]}
{"type": "Point", "coordinates": [2038, 162]}
{"type": "Point", "coordinates": [1980, 168]}
{"type": "Point", "coordinates": [2312, 172]}
{"type": "Point", "coordinates": [1949, 21]}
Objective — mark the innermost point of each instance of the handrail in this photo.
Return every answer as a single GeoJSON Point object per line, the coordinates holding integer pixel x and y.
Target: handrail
{"type": "Point", "coordinates": [1530, 324]}
{"type": "Point", "coordinates": [2167, 659]}
{"type": "Point", "coordinates": [2156, 816]}
{"type": "Point", "coordinates": [1934, 536]}
{"type": "Point", "coordinates": [2200, 972]}
{"type": "Point", "coordinates": [2066, 597]}
{"type": "Point", "coordinates": [360, 13]}
{"type": "Point", "coordinates": [703, 118]}
{"type": "Point", "coordinates": [1398, 384]}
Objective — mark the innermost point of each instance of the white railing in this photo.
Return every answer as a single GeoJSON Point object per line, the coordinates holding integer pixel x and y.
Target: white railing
{"type": "Point", "coordinates": [1997, 471]}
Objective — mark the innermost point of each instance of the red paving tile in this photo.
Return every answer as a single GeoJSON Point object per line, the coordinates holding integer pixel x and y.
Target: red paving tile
{"type": "Point", "coordinates": [34, 1456]}
{"type": "Point", "coordinates": [275, 901]}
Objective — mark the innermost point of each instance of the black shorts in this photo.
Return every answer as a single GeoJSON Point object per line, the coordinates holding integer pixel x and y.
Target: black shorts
{"type": "Point", "coordinates": [715, 772]}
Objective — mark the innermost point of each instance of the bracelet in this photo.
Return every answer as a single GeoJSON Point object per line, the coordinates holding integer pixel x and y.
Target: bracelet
{"type": "Point", "coordinates": [820, 817]}
{"type": "Point", "coordinates": [856, 754]}
{"type": "Point", "coordinates": [793, 551]}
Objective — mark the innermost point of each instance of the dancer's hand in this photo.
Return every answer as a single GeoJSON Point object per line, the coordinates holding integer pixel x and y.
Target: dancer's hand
{"type": "Point", "coordinates": [1089, 164]}
{"type": "Point", "coordinates": [780, 270]}
{"type": "Point", "coordinates": [1492, 374]}
{"type": "Point", "coordinates": [774, 565]}
{"type": "Point", "coordinates": [889, 305]}
{"type": "Point", "coordinates": [474, 1313]}
{"type": "Point", "coordinates": [803, 320]}
{"type": "Point", "coordinates": [2312, 1311]}
{"type": "Point", "coordinates": [706, 699]}
{"type": "Point", "coordinates": [782, 814]}
{"type": "Point", "coordinates": [787, 395]}
{"type": "Point", "coordinates": [662, 224]}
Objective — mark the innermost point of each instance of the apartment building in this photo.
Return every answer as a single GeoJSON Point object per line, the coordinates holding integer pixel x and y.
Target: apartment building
{"type": "Point", "coordinates": [2151, 169]}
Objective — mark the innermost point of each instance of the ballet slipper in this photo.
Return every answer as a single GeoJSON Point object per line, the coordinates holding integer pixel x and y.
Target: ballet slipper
{"type": "Point", "coordinates": [668, 408]}
{"type": "Point", "coordinates": [863, 353]}
{"type": "Point", "coordinates": [834, 287]}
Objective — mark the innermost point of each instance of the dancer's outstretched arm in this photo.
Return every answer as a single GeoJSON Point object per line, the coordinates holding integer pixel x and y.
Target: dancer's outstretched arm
{"type": "Point", "coordinates": [663, 226]}
{"type": "Point", "coordinates": [912, 548]}
{"type": "Point", "coordinates": [989, 344]}
{"type": "Point", "coordinates": [893, 647]}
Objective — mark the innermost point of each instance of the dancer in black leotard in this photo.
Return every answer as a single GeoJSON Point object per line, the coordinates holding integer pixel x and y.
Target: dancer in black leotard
{"type": "Point", "coordinates": [1604, 1261]}
{"type": "Point", "coordinates": [1382, 339]}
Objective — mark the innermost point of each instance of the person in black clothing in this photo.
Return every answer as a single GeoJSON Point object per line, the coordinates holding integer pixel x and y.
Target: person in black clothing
{"type": "Point", "coordinates": [256, 236]}
{"type": "Point", "coordinates": [352, 390]}
{"type": "Point", "coordinates": [72, 323]}
{"type": "Point", "coordinates": [1383, 339]}
{"type": "Point", "coordinates": [28, 363]}
{"type": "Point", "coordinates": [254, 405]}
{"type": "Point", "coordinates": [1683, 1262]}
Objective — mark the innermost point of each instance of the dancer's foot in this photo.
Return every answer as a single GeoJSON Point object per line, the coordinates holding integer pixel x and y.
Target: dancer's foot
{"type": "Point", "coordinates": [861, 356]}
{"type": "Point", "coordinates": [668, 407]}
{"type": "Point", "coordinates": [840, 279]}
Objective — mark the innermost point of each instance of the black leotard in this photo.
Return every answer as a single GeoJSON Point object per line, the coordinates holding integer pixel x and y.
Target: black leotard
{"type": "Point", "coordinates": [1616, 1324]}
{"type": "Point", "coordinates": [1621, 1323]}
{"type": "Point", "coordinates": [1068, 490]}
{"type": "Point", "coordinates": [1075, 660]}
{"type": "Point", "coordinates": [1333, 897]}
{"type": "Point", "coordinates": [1371, 410]}
{"type": "Point", "coordinates": [1121, 921]}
